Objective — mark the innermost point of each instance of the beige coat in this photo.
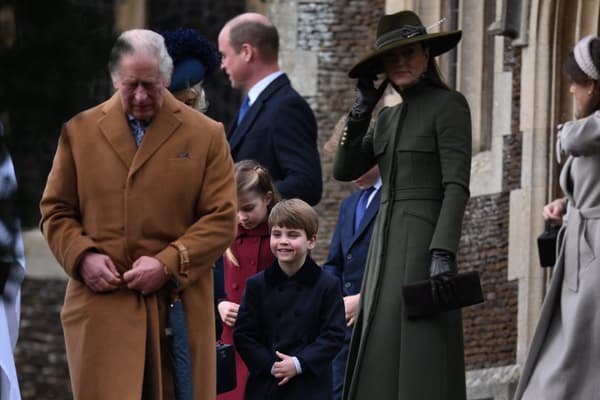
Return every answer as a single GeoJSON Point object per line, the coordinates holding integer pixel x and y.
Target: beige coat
{"type": "Point", "coordinates": [103, 194]}
{"type": "Point", "coordinates": [564, 355]}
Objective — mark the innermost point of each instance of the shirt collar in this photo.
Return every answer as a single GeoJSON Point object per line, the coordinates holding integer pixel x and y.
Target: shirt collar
{"type": "Point", "coordinates": [131, 118]}
{"type": "Point", "coordinates": [377, 184]}
{"type": "Point", "coordinates": [261, 85]}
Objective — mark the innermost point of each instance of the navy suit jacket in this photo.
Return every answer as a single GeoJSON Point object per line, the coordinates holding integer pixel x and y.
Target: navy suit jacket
{"type": "Point", "coordinates": [348, 249]}
{"type": "Point", "coordinates": [302, 316]}
{"type": "Point", "coordinates": [279, 131]}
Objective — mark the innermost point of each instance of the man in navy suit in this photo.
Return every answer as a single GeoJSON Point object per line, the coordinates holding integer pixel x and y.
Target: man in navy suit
{"type": "Point", "coordinates": [348, 256]}
{"type": "Point", "coordinates": [275, 126]}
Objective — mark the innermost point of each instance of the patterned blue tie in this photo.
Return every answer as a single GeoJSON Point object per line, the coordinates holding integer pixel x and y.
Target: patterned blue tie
{"type": "Point", "coordinates": [138, 129]}
{"type": "Point", "coordinates": [245, 106]}
{"type": "Point", "coordinates": [361, 207]}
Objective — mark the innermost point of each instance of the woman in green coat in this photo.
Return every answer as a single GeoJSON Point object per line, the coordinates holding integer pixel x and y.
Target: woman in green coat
{"type": "Point", "coordinates": [423, 149]}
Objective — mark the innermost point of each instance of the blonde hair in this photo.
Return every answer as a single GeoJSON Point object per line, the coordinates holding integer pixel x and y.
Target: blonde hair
{"type": "Point", "coordinates": [295, 214]}
{"type": "Point", "coordinates": [251, 177]}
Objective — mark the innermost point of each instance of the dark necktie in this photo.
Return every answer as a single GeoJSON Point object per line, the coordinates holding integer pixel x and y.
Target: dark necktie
{"type": "Point", "coordinates": [245, 106]}
{"type": "Point", "coordinates": [361, 207]}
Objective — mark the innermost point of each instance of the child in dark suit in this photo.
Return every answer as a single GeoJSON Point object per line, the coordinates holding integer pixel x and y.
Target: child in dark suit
{"type": "Point", "coordinates": [348, 256]}
{"type": "Point", "coordinates": [290, 323]}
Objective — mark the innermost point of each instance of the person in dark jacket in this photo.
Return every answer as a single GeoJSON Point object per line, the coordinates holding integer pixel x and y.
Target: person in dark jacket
{"type": "Point", "coordinates": [423, 149]}
{"type": "Point", "coordinates": [275, 126]}
{"type": "Point", "coordinates": [290, 323]}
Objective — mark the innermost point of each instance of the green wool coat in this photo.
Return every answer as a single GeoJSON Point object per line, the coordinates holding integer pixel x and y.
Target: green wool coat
{"type": "Point", "coordinates": [423, 149]}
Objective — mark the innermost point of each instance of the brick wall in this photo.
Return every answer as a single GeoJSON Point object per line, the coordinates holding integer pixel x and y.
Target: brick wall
{"type": "Point", "coordinates": [491, 328]}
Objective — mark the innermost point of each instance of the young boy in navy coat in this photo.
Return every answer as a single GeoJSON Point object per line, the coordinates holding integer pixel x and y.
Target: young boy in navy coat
{"type": "Point", "coordinates": [290, 323]}
{"type": "Point", "coordinates": [348, 256]}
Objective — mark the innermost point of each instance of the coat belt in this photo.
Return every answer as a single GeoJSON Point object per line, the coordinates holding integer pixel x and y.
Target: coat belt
{"type": "Point", "coordinates": [413, 194]}
{"type": "Point", "coordinates": [577, 248]}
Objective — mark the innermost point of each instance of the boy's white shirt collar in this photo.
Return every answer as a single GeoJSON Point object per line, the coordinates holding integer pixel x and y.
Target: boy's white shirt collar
{"type": "Point", "coordinates": [377, 186]}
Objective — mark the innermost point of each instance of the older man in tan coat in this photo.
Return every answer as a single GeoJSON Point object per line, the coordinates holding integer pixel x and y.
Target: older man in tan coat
{"type": "Point", "coordinates": [138, 182]}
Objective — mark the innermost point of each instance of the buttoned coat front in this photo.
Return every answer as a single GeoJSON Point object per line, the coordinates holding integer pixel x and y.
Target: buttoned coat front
{"type": "Point", "coordinates": [105, 195]}
{"type": "Point", "coordinates": [252, 252]}
{"type": "Point", "coordinates": [423, 149]}
{"type": "Point", "coordinates": [302, 316]}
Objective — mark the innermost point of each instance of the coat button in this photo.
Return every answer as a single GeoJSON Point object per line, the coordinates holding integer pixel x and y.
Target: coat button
{"type": "Point", "coordinates": [234, 285]}
{"type": "Point", "coordinates": [348, 284]}
{"type": "Point", "coordinates": [349, 257]}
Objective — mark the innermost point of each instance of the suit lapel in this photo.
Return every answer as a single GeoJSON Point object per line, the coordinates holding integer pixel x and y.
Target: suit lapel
{"type": "Point", "coordinates": [116, 130]}
{"type": "Point", "coordinates": [162, 126]}
{"type": "Point", "coordinates": [237, 133]}
{"type": "Point", "coordinates": [347, 230]}
{"type": "Point", "coordinates": [370, 214]}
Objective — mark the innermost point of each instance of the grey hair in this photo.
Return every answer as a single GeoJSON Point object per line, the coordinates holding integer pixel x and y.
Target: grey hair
{"type": "Point", "coordinates": [142, 41]}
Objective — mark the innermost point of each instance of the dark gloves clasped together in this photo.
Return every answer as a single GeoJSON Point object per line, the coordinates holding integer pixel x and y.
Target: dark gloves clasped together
{"type": "Point", "coordinates": [442, 273]}
{"type": "Point", "coordinates": [367, 96]}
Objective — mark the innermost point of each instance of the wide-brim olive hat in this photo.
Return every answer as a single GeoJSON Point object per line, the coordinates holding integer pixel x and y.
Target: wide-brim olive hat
{"type": "Point", "coordinates": [401, 29]}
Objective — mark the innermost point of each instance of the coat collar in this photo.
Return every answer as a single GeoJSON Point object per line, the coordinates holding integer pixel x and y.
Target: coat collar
{"type": "Point", "coordinates": [115, 128]}
{"type": "Point", "coordinates": [237, 133]}
{"type": "Point", "coordinates": [308, 274]}
{"type": "Point", "coordinates": [261, 230]}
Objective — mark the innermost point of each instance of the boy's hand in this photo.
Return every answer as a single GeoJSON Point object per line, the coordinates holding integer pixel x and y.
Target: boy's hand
{"type": "Point", "coordinates": [285, 368]}
{"type": "Point", "coordinates": [351, 307]}
{"type": "Point", "coordinates": [228, 311]}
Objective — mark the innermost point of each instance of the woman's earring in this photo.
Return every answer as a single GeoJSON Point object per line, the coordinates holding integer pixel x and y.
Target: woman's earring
{"type": "Point", "coordinates": [590, 93]}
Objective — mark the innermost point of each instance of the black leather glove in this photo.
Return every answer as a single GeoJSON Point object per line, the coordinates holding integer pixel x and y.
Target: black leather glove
{"type": "Point", "coordinates": [367, 96]}
{"type": "Point", "coordinates": [442, 273]}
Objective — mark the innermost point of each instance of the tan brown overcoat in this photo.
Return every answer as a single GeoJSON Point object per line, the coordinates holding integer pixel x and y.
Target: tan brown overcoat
{"type": "Point", "coordinates": [103, 194]}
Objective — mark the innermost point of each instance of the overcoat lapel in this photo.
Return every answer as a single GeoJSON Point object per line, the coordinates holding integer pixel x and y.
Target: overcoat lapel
{"type": "Point", "coordinates": [159, 130]}
{"type": "Point", "coordinates": [348, 237]}
{"type": "Point", "coordinates": [237, 133]}
{"type": "Point", "coordinates": [370, 214]}
{"type": "Point", "coordinates": [116, 130]}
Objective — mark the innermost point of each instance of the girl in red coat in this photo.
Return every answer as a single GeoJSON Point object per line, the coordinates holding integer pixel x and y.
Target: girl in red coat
{"type": "Point", "coordinates": [248, 254]}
